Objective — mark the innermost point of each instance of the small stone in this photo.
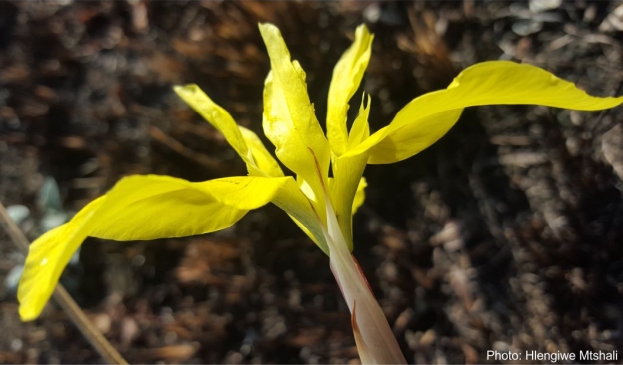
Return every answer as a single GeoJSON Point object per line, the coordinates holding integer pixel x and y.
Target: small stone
{"type": "Point", "coordinates": [538, 6]}
{"type": "Point", "coordinates": [18, 213]}
{"type": "Point", "coordinates": [526, 27]}
{"type": "Point", "coordinates": [12, 278]}
{"type": "Point", "coordinates": [49, 196]}
{"type": "Point", "coordinates": [53, 219]}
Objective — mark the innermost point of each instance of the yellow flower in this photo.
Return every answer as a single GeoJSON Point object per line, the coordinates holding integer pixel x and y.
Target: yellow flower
{"type": "Point", "coordinates": [148, 207]}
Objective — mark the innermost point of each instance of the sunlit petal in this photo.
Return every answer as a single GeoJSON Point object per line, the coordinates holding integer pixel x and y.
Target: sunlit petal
{"type": "Point", "coordinates": [347, 177]}
{"type": "Point", "coordinates": [347, 76]}
{"type": "Point", "coordinates": [360, 195]}
{"type": "Point", "coordinates": [246, 143]}
{"type": "Point", "coordinates": [263, 159]}
{"type": "Point", "coordinates": [361, 128]}
{"type": "Point", "coordinates": [403, 142]}
{"type": "Point", "coordinates": [214, 114]}
{"type": "Point", "coordinates": [289, 119]}
{"type": "Point", "coordinates": [346, 187]}
{"type": "Point", "coordinates": [140, 208]}
{"type": "Point", "coordinates": [428, 117]}
{"type": "Point", "coordinates": [47, 257]}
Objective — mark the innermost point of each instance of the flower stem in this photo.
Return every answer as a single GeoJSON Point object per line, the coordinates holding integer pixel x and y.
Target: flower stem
{"type": "Point", "coordinates": [375, 340]}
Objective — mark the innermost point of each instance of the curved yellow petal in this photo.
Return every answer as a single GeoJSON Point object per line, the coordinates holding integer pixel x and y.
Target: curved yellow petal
{"type": "Point", "coordinates": [246, 143]}
{"type": "Point", "coordinates": [263, 159]}
{"type": "Point", "coordinates": [360, 195]}
{"type": "Point", "coordinates": [428, 117]}
{"type": "Point", "coordinates": [139, 208]}
{"type": "Point", "coordinates": [289, 119]}
{"type": "Point", "coordinates": [47, 257]}
{"type": "Point", "coordinates": [347, 177]}
{"type": "Point", "coordinates": [347, 76]}
{"type": "Point", "coordinates": [148, 207]}
{"type": "Point", "coordinates": [214, 114]}
{"type": "Point", "coordinates": [403, 142]}
{"type": "Point", "coordinates": [293, 201]}
{"type": "Point", "coordinates": [244, 192]}
{"type": "Point", "coordinates": [259, 161]}
{"type": "Point", "coordinates": [346, 187]}
{"type": "Point", "coordinates": [357, 202]}
{"type": "Point", "coordinates": [361, 128]}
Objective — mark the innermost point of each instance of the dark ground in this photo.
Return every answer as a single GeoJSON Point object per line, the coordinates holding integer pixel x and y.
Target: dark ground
{"type": "Point", "coordinates": [507, 234]}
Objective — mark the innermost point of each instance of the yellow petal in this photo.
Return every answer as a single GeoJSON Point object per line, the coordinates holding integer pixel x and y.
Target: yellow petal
{"type": "Point", "coordinates": [347, 186]}
{"type": "Point", "coordinates": [428, 117]}
{"type": "Point", "coordinates": [138, 208]}
{"type": "Point", "coordinates": [289, 119]}
{"type": "Point", "coordinates": [214, 114]}
{"type": "Point", "coordinates": [357, 202]}
{"type": "Point", "coordinates": [321, 243]}
{"type": "Point", "coordinates": [149, 207]}
{"type": "Point", "coordinates": [244, 192]}
{"type": "Point", "coordinates": [347, 180]}
{"type": "Point", "coordinates": [259, 161]}
{"type": "Point", "coordinates": [360, 195]}
{"type": "Point", "coordinates": [347, 76]}
{"type": "Point", "coordinates": [47, 257]}
{"type": "Point", "coordinates": [360, 129]}
{"type": "Point", "coordinates": [302, 211]}
{"type": "Point", "coordinates": [403, 142]}
{"type": "Point", "coordinates": [263, 159]}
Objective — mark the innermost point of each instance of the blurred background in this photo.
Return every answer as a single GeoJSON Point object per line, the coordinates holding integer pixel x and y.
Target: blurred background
{"type": "Point", "coordinates": [506, 234]}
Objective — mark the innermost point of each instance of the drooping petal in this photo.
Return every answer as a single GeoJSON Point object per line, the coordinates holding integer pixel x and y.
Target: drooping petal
{"type": "Point", "coordinates": [347, 76]}
{"type": "Point", "coordinates": [289, 119]}
{"type": "Point", "coordinates": [428, 117]}
{"type": "Point", "coordinates": [139, 208]}
{"type": "Point", "coordinates": [47, 257]}
{"type": "Point", "coordinates": [245, 142]}
{"type": "Point", "coordinates": [259, 161]}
